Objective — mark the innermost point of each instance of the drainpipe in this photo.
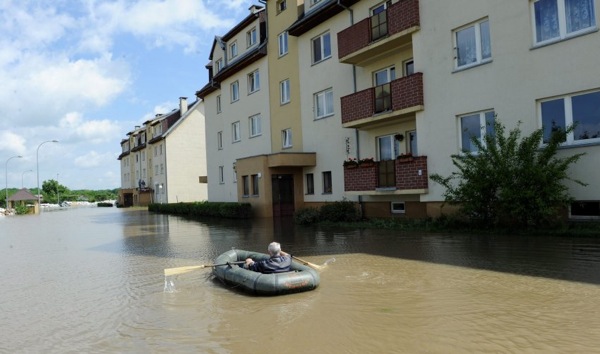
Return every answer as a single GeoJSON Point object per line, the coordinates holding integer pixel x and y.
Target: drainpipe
{"type": "Point", "coordinates": [354, 89]}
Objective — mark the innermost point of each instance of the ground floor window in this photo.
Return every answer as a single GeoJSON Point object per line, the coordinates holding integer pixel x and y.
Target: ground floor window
{"type": "Point", "coordinates": [255, 185]}
{"type": "Point", "coordinates": [585, 209]}
{"type": "Point", "coordinates": [398, 208]}
{"type": "Point", "coordinates": [245, 186]}
{"type": "Point", "coordinates": [327, 183]}
{"type": "Point", "coordinates": [581, 110]}
{"type": "Point", "coordinates": [310, 183]}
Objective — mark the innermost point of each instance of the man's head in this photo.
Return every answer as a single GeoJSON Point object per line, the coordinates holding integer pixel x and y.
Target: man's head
{"type": "Point", "coordinates": [274, 249]}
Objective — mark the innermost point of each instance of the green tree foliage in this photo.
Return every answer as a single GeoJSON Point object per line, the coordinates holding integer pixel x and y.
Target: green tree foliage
{"type": "Point", "coordinates": [511, 180]}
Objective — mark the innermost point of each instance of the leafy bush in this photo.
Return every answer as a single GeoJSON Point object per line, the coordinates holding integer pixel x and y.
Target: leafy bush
{"type": "Point", "coordinates": [306, 216]}
{"type": "Point", "coordinates": [511, 180]}
{"type": "Point", "coordinates": [342, 211]}
{"type": "Point", "coordinates": [212, 209]}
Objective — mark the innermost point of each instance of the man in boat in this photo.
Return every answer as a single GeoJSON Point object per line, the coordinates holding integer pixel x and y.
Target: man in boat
{"type": "Point", "coordinates": [279, 261]}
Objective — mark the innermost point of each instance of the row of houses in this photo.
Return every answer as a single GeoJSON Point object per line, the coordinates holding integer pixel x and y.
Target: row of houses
{"type": "Point", "coordinates": [299, 87]}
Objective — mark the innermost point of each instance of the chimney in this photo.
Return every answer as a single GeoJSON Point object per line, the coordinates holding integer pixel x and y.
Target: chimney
{"type": "Point", "coordinates": [183, 106]}
{"type": "Point", "coordinates": [254, 9]}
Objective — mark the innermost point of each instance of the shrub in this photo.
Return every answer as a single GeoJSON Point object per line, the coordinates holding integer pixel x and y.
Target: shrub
{"type": "Point", "coordinates": [341, 211]}
{"type": "Point", "coordinates": [306, 216]}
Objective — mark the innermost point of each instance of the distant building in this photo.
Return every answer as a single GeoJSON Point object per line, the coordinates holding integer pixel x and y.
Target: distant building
{"type": "Point", "coordinates": [164, 161]}
{"type": "Point", "coordinates": [26, 198]}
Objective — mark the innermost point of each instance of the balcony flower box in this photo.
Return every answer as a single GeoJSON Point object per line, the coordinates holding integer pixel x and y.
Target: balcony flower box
{"type": "Point", "coordinates": [367, 162]}
{"type": "Point", "coordinates": [405, 158]}
{"type": "Point", "coordinates": [350, 163]}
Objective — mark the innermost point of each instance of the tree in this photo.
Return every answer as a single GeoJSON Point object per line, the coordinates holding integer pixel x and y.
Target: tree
{"type": "Point", "coordinates": [52, 191]}
{"type": "Point", "coordinates": [511, 179]}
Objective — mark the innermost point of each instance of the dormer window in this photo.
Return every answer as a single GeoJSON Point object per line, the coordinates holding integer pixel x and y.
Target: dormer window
{"type": "Point", "coordinates": [251, 37]}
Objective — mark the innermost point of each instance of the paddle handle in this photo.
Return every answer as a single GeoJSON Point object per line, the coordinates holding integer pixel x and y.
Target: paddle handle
{"type": "Point", "coordinates": [186, 269]}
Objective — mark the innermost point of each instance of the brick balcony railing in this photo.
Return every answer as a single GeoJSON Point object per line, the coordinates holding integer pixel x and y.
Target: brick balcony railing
{"type": "Point", "coordinates": [365, 179]}
{"type": "Point", "coordinates": [400, 16]}
{"type": "Point", "coordinates": [405, 92]}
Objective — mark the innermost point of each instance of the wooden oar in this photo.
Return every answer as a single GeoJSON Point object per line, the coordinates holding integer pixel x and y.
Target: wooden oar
{"type": "Point", "coordinates": [181, 270]}
{"type": "Point", "coordinates": [312, 265]}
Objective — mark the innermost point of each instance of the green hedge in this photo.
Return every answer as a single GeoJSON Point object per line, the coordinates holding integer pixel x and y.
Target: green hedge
{"type": "Point", "coordinates": [214, 209]}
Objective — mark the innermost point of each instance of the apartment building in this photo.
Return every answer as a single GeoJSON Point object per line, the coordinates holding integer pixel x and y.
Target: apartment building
{"type": "Point", "coordinates": [164, 160]}
{"type": "Point", "coordinates": [408, 83]}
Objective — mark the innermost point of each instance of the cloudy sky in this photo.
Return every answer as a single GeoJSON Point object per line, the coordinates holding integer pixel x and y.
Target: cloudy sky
{"type": "Point", "coordinates": [86, 72]}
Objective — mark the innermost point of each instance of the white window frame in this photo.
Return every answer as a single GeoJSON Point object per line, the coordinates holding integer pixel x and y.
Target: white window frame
{"type": "Point", "coordinates": [567, 102]}
{"type": "Point", "coordinates": [233, 49]}
{"type": "Point", "coordinates": [327, 182]}
{"type": "Point", "coordinates": [286, 138]}
{"type": "Point", "coordinates": [221, 175]}
{"type": "Point", "coordinates": [281, 6]}
{"type": "Point", "coordinates": [479, 59]}
{"type": "Point", "coordinates": [282, 41]}
{"type": "Point", "coordinates": [236, 133]}
{"type": "Point", "coordinates": [235, 91]}
{"type": "Point", "coordinates": [324, 50]}
{"type": "Point", "coordinates": [484, 129]}
{"type": "Point", "coordinates": [409, 67]}
{"type": "Point", "coordinates": [218, 65]}
{"type": "Point", "coordinates": [284, 91]}
{"type": "Point", "coordinates": [253, 81]}
{"type": "Point", "coordinates": [251, 37]}
{"type": "Point", "coordinates": [220, 140]}
{"type": "Point", "coordinates": [321, 100]}
{"type": "Point", "coordinates": [562, 24]}
{"type": "Point", "coordinates": [255, 185]}
{"type": "Point", "coordinates": [255, 125]}
{"type": "Point", "coordinates": [390, 75]}
{"type": "Point", "coordinates": [218, 104]}
{"type": "Point", "coordinates": [398, 207]}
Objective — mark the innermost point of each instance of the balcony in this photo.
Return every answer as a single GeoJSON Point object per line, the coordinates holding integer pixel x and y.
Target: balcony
{"type": "Point", "coordinates": [399, 98]}
{"type": "Point", "coordinates": [388, 177]}
{"type": "Point", "coordinates": [379, 34]}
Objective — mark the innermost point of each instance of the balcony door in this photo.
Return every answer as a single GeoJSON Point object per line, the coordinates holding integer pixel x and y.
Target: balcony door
{"type": "Point", "coordinates": [379, 23]}
{"type": "Point", "coordinates": [383, 94]}
{"type": "Point", "coordinates": [388, 148]}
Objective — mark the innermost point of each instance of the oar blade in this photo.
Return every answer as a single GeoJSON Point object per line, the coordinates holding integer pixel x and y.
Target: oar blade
{"type": "Point", "coordinates": [182, 270]}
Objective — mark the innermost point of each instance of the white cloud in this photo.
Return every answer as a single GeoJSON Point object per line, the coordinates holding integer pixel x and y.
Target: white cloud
{"type": "Point", "coordinates": [94, 159]}
{"type": "Point", "coordinates": [12, 143]}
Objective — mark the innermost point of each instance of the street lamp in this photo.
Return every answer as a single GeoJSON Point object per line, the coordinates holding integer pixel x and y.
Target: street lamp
{"type": "Point", "coordinates": [24, 172]}
{"type": "Point", "coordinates": [37, 164]}
{"type": "Point", "coordinates": [6, 170]}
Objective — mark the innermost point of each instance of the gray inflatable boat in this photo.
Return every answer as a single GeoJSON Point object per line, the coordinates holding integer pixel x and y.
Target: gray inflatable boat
{"type": "Point", "coordinates": [300, 278]}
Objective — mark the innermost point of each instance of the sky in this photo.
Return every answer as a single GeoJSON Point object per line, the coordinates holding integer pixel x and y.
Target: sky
{"type": "Point", "coordinates": [86, 72]}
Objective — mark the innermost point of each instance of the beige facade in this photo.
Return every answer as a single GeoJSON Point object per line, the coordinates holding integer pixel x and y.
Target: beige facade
{"type": "Point", "coordinates": [164, 161]}
{"type": "Point", "coordinates": [405, 82]}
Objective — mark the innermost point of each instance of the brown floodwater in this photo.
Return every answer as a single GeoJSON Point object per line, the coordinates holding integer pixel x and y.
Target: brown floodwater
{"type": "Point", "coordinates": [91, 280]}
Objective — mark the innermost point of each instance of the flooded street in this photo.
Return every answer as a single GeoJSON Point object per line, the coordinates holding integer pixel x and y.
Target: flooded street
{"type": "Point", "coordinates": [91, 280]}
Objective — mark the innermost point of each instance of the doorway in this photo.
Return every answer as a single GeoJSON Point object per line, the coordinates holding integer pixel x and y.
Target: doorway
{"type": "Point", "coordinates": [283, 195]}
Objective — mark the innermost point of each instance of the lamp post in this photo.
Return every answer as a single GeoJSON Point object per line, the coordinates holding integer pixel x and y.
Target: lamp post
{"type": "Point", "coordinates": [6, 170]}
{"type": "Point", "coordinates": [24, 172]}
{"type": "Point", "coordinates": [37, 164]}
{"type": "Point", "coordinates": [57, 195]}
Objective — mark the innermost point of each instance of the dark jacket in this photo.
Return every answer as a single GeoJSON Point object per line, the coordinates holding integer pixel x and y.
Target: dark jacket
{"type": "Point", "coordinates": [276, 264]}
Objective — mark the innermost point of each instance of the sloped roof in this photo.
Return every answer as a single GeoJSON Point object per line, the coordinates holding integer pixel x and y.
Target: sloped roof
{"type": "Point", "coordinates": [23, 194]}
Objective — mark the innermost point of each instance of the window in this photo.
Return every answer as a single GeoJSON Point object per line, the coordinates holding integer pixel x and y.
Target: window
{"type": "Point", "coordinates": [286, 138]}
{"type": "Point", "coordinates": [409, 67]}
{"type": "Point", "coordinates": [412, 142]}
{"type": "Point", "coordinates": [324, 103]}
{"type": "Point", "coordinates": [284, 91]}
{"type": "Point", "coordinates": [234, 174]}
{"type": "Point", "coordinates": [321, 48]}
{"type": "Point", "coordinates": [314, 2]}
{"type": "Point", "coordinates": [219, 104]}
{"type": "Point", "coordinates": [235, 91]}
{"type": "Point", "coordinates": [281, 6]}
{"type": "Point", "coordinates": [472, 44]}
{"type": "Point", "coordinates": [327, 188]}
{"type": "Point", "coordinates": [585, 210]}
{"type": "Point", "coordinates": [476, 125]}
{"type": "Point", "coordinates": [233, 50]}
{"type": "Point", "coordinates": [253, 82]}
{"type": "Point", "coordinates": [581, 110]}
{"type": "Point", "coordinates": [283, 43]}
{"type": "Point", "coordinates": [559, 19]}
{"type": "Point", "coordinates": [245, 186]}
{"type": "Point", "coordinates": [221, 176]}
{"type": "Point", "coordinates": [220, 140]}
{"type": "Point", "coordinates": [251, 37]}
{"type": "Point", "coordinates": [398, 208]}
{"type": "Point", "coordinates": [383, 95]}
{"type": "Point", "coordinates": [218, 65]}
{"type": "Point", "coordinates": [254, 185]}
{"type": "Point", "coordinates": [255, 125]}
{"type": "Point", "coordinates": [310, 183]}
{"type": "Point", "coordinates": [388, 146]}
{"type": "Point", "coordinates": [235, 132]}
{"type": "Point", "coordinates": [379, 25]}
